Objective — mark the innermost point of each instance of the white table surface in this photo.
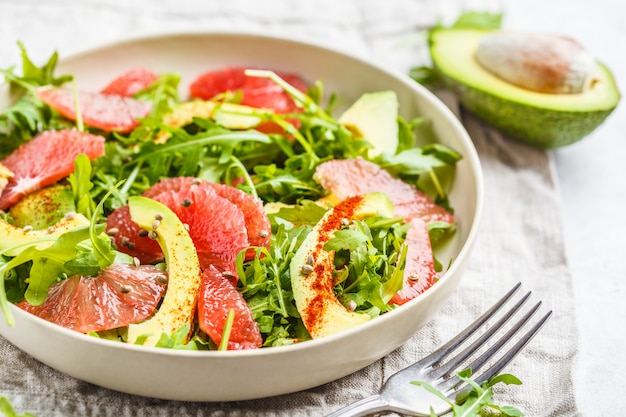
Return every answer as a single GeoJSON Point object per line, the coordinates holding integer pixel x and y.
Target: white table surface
{"type": "Point", "coordinates": [593, 192]}
{"type": "Point", "coordinates": [592, 184]}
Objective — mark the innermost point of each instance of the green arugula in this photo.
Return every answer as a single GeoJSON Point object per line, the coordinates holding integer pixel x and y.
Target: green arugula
{"type": "Point", "coordinates": [178, 340]}
{"type": "Point", "coordinates": [162, 94]}
{"type": "Point", "coordinates": [228, 328]}
{"type": "Point", "coordinates": [7, 409]}
{"type": "Point", "coordinates": [369, 263]}
{"type": "Point", "coordinates": [27, 115]}
{"type": "Point", "coordinates": [80, 181]}
{"type": "Point", "coordinates": [47, 266]}
{"type": "Point", "coordinates": [478, 399]}
{"type": "Point", "coordinates": [277, 168]}
{"type": "Point", "coordinates": [266, 285]}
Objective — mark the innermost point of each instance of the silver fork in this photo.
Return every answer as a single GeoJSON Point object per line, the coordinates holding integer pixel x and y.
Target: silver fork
{"type": "Point", "coordinates": [469, 349]}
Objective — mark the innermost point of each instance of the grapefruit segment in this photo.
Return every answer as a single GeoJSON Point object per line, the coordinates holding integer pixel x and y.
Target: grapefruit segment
{"type": "Point", "coordinates": [256, 92]}
{"type": "Point", "coordinates": [46, 159]}
{"type": "Point", "coordinates": [118, 296]}
{"type": "Point", "coordinates": [110, 113]}
{"type": "Point", "coordinates": [222, 221]}
{"type": "Point", "coordinates": [130, 238]}
{"type": "Point", "coordinates": [216, 226]}
{"type": "Point", "coordinates": [258, 225]}
{"type": "Point", "coordinates": [349, 177]}
{"type": "Point", "coordinates": [419, 271]}
{"type": "Point", "coordinates": [170, 184]}
{"type": "Point", "coordinates": [216, 298]}
{"type": "Point", "coordinates": [130, 83]}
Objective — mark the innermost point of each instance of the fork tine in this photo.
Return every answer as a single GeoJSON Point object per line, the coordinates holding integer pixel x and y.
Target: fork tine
{"type": "Point", "coordinates": [513, 351]}
{"type": "Point", "coordinates": [452, 364]}
{"type": "Point", "coordinates": [394, 395]}
{"type": "Point", "coordinates": [436, 357]}
{"type": "Point", "coordinates": [455, 385]}
{"type": "Point", "coordinates": [487, 355]}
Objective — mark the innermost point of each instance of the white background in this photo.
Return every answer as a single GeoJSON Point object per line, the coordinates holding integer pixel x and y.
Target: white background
{"type": "Point", "coordinates": [593, 188]}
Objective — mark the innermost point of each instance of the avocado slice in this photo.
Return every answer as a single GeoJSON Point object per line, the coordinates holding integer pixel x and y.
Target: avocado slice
{"type": "Point", "coordinates": [229, 115]}
{"type": "Point", "coordinates": [374, 117]}
{"type": "Point", "coordinates": [312, 267]}
{"type": "Point", "coordinates": [44, 207]}
{"type": "Point", "coordinates": [540, 119]}
{"type": "Point", "coordinates": [179, 304]}
{"type": "Point", "coordinates": [15, 239]}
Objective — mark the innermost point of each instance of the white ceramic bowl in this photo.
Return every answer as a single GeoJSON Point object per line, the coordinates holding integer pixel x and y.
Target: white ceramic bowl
{"type": "Point", "coordinates": [182, 375]}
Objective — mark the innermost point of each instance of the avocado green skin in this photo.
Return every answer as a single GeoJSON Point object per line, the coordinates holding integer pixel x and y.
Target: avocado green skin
{"type": "Point", "coordinates": [525, 116]}
{"type": "Point", "coordinates": [529, 124]}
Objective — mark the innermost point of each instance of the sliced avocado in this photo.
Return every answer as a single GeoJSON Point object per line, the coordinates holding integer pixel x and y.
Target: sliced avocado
{"type": "Point", "coordinates": [179, 303]}
{"type": "Point", "coordinates": [43, 208]}
{"type": "Point", "coordinates": [541, 119]}
{"type": "Point", "coordinates": [229, 115]}
{"type": "Point", "coordinates": [312, 267]}
{"type": "Point", "coordinates": [374, 117]}
{"type": "Point", "coordinates": [15, 239]}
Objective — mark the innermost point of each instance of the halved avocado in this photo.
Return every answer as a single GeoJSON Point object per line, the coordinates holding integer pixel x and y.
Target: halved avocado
{"type": "Point", "coordinates": [540, 119]}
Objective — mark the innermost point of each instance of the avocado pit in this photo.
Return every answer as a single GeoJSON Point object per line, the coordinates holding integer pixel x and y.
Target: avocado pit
{"type": "Point", "coordinates": [541, 62]}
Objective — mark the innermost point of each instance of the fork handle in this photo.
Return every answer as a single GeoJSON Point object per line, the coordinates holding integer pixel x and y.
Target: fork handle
{"type": "Point", "coordinates": [363, 407]}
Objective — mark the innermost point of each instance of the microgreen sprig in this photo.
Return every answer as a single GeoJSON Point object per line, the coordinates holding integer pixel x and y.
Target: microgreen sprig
{"type": "Point", "coordinates": [7, 409]}
{"type": "Point", "coordinates": [476, 401]}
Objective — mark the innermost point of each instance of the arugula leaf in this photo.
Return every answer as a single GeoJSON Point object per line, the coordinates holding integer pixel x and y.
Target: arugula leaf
{"type": "Point", "coordinates": [32, 75]}
{"type": "Point", "coordinates": [426, 75]}
{"type": "Point", "coordinates": [369, 263]}
{"type": "Point", "coordinates": [265, 283]}
{"type": "Point", "coordinates": [101, 244]}
{"type": "Point", "coordinates": [346, 239]}
{"type": "Point", "coordinates": [45, 262]}
{"type": "Point", "coordinates": [416, 161]}
{"type": "Point", "coordinates": [177, 340]}
{"type": "Point", "coordinates": [80, 181]}
{"type": "Point", "coordinates": [48, 264]}
{"type": "Point", "coordinates": [306, 213]}
{"type": "Point", "coordinates": [7, 409]}
{"type": "Point", "coordinates": [27, 116]}
{"type": "Point", "coordinates": [163, 94]}
{"type": "Point", "coordinates": [228, 327]}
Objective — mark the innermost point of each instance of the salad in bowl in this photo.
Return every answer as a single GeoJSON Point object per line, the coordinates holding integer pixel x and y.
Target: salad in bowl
{"type": "Point", "coordinates": [228, 206]}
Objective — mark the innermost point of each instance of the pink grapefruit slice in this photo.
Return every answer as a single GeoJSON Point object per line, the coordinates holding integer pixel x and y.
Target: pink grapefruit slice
{"type": "Point", "coordinates": [118, 296]}
{"type": "Point", "coordinates": [45, 160]}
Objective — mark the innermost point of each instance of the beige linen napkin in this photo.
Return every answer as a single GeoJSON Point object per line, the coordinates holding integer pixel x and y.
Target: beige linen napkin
{"type": "Point", "coordinates": [521, 237]}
